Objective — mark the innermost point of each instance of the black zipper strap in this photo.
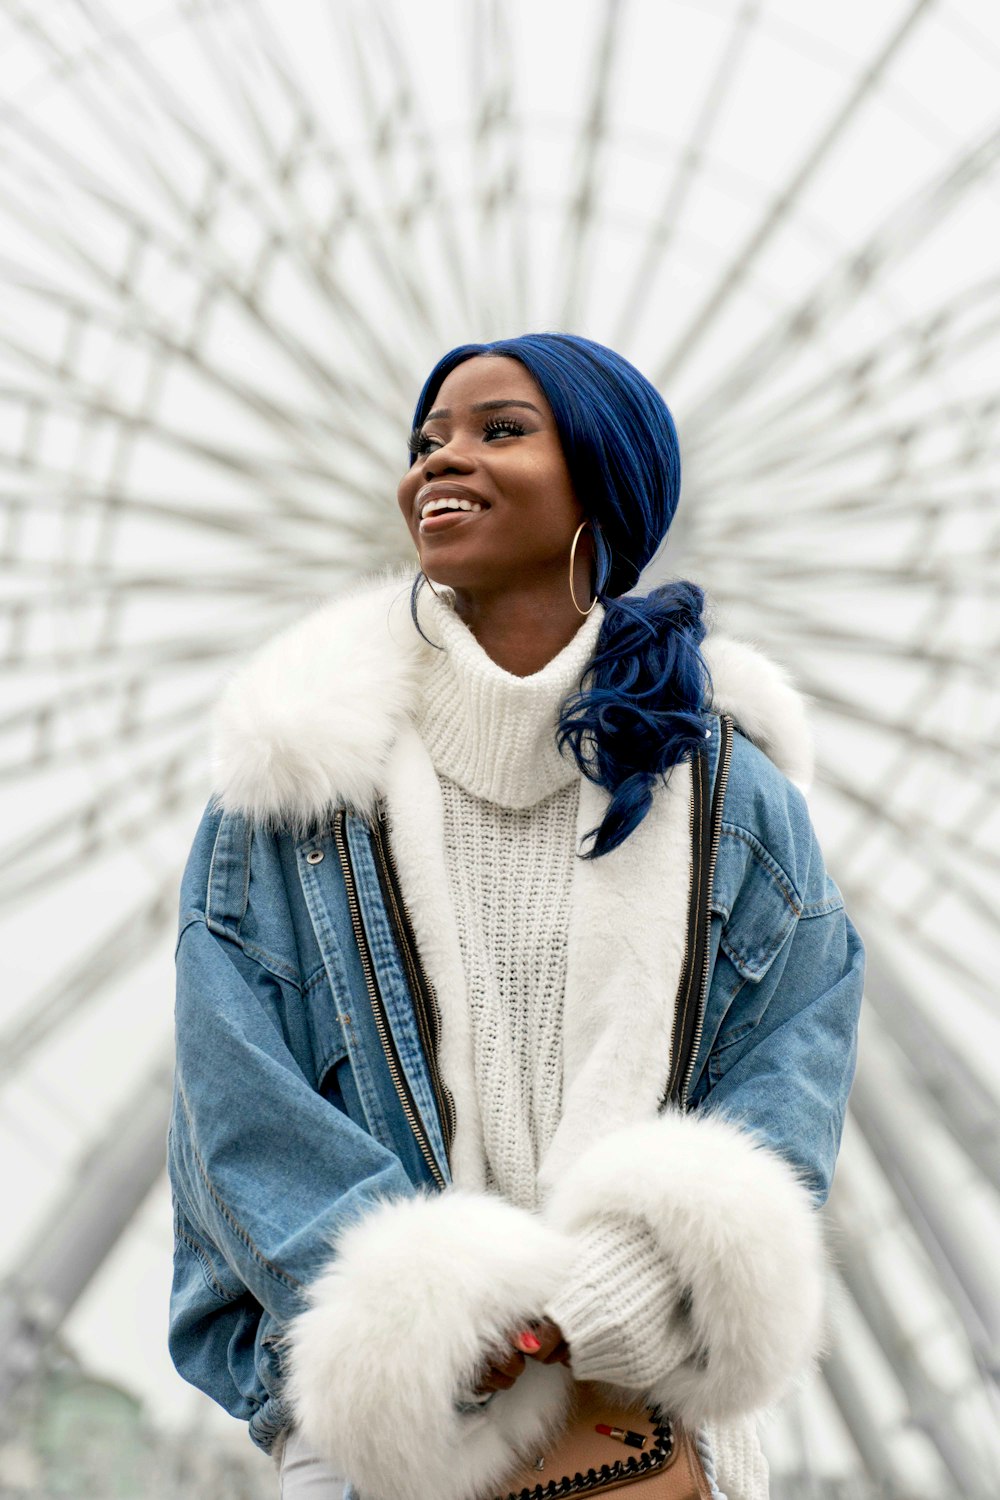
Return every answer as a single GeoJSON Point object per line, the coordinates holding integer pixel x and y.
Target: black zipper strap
{"type": "Point", "coordinates": [393, 1060]}
{"type": "Point", "coordinates": [612, 1475]}
{"type": "Point", "coordinates": [726, 731]}
{"type": "Point", "coordinates": [425, 1006]}
{"type": "Point", "coordinates": [706, 831]}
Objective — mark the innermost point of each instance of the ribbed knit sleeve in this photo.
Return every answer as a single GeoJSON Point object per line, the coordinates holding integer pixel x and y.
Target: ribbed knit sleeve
{"type": "Point", "coordinates": [622, 1310]}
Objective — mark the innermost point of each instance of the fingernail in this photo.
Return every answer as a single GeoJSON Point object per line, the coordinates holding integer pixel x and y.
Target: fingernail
{"type": "Point", "coordinates": [527, 1342]}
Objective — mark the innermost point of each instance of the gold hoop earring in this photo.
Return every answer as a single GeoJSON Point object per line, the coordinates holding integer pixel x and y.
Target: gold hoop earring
{"type": "Point", "coordinates": [572, 559]}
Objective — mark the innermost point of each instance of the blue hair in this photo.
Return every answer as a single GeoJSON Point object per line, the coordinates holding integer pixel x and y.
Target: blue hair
{"type": "Point", "coordinates": [639, 709]}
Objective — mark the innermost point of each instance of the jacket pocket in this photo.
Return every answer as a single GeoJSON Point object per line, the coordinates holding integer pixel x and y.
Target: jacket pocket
{"type": "Point", "coordinates": [326, 1032]}
{"type": "Point", "coordinates": [192, 1250]}
{"type": "Point", "coordinates": [759, 908]}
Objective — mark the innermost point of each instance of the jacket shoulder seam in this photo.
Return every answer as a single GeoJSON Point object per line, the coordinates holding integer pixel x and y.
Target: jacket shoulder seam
{"type": "Point", "coordinates": [262, 957]}
{"type": "Point", "coordinates": [188, 919]}
{"type": "Point", "coordinates": [824, 908]}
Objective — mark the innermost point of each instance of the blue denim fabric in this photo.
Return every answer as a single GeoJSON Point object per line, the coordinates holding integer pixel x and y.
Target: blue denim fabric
{"type": "Point", "coordinates": [286, 1124]}
{"type": "Point", "coordinates": [779, 1043]}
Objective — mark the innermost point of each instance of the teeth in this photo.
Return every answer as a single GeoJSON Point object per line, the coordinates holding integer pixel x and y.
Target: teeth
{"type": "Point", "coordinates": [448, 502]}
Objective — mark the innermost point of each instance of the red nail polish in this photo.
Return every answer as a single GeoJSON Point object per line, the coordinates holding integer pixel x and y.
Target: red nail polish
{"type": "Point", "coordinates": [529, 1342]}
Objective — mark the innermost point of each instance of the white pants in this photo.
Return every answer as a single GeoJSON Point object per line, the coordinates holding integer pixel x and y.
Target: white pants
{"type": "Point", "coordinates": [302, 1475]}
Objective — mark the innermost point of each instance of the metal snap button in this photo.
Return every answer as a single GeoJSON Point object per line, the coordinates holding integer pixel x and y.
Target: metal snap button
{"type": "Point", "coordinates": [314, 856]}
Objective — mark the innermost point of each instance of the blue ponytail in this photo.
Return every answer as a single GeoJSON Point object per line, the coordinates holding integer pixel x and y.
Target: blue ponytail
{"type": "Point", "coordinates": [639, 704]}
{"type": "Point", "coordinates": [639, 709]}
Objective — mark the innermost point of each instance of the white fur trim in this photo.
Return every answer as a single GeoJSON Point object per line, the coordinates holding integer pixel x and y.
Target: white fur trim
{"type": "Point", "coordinates": [626, 942]}
{"type": "Point", "coordinates": [760, 695]}
{"type": "Point", "coordinates": [739, 1227]}
{"type": "Point", "coordinates": [416, 829]}
{"type": "Point", "coordinates": [416, 1295]}
{"type": "Point", "coordinates": [307, 722]}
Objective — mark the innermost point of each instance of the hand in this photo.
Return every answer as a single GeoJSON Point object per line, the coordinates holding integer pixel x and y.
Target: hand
{"type": "Point", "coordinates": [542, 1341]}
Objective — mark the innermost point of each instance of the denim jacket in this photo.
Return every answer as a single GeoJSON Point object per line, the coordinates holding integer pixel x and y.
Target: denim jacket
{"type": "Point", "coordinates": [316, 1074]}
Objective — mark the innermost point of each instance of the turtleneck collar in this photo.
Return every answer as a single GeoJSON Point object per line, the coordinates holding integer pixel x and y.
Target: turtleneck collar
{"type": "Point", "coordinates": [492, 732]}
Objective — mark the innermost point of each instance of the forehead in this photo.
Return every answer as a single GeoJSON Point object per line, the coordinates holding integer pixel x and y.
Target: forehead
{"type": "Point", "coordinates": [487, 378]}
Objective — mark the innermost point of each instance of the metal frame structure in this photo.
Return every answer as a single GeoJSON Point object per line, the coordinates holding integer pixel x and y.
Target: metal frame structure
{"type": "Point", "coordinates": [233, 241]}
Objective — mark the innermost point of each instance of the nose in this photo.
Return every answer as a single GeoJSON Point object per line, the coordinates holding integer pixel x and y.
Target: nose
{"type": "Point", "coordinates": [447, 456]}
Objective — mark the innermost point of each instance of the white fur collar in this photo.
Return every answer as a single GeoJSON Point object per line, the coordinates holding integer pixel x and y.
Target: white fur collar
{"type": "Point", "coordinates": [310, 719]}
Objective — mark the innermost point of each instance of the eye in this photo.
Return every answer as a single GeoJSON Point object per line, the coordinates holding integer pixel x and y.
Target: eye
{"type": "Point", "coordinates": [504, 427]}
{"type": "Point", "coordinates": [420, 442]}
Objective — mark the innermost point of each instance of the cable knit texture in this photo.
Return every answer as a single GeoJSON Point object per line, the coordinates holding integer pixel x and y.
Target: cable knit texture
{"type": "Point", "coordinates": [511, 897]}
{"type": "Point", "coordinates": [510, 803]}
{"type": "Point", "coordinates": [510, 807]}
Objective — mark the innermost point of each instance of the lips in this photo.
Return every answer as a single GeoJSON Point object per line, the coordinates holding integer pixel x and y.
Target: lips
{"type": "Point", "coordinates": [441, 489]}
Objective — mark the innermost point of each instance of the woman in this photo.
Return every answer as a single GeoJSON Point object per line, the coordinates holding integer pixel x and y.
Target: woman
{"type": "Point", "coordinates": [516, 1010]}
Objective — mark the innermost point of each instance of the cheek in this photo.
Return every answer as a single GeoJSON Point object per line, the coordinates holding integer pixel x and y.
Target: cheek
{"type": "Point", "coordinates": [553, 480]}
{"type": "Point", "coordinates": [546, 475]}
{"type": "Point", "coordinates": [555, 509]}
{"type": "Point", "coordinates": [405, 496]}
{"type": "Point", "coordinates": [542, 529]}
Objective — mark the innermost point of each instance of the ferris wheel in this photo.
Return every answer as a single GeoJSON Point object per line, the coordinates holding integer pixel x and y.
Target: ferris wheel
{"type": "Point", "coordinates": [235, 235]}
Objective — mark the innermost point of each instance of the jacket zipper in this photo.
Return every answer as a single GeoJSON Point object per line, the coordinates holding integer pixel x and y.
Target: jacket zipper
{"type": "Point", "coordinates": [396, 1073]}
{"type": "Point", "coordinates": [684, 1028]}
{"type": "Point", "coordinates": [425, 1004]}
{"type": "Point", "coordinates": [718, 798]}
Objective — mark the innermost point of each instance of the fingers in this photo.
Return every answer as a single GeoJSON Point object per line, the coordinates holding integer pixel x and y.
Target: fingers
{"type": "Point", "coordinates": [501, 1373]}
{"type": "Point", "coordinates": [548, 1345]}
{"type": "Point", "coordinates": [543, 1341]}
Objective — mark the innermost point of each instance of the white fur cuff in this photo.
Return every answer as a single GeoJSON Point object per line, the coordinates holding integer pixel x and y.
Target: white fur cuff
{"type": "Point", "coordinates": [739, 1229]}
{"type": "Point", "coordinates": [415, 1296]}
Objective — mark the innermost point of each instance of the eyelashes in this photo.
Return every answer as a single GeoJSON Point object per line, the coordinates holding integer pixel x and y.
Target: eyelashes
{"type": "Point", "coordinates": [419, 442]}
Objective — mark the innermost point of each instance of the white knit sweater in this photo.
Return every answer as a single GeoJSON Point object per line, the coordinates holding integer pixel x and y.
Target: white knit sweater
{"type": "Point", "coordinates": [510, 805]}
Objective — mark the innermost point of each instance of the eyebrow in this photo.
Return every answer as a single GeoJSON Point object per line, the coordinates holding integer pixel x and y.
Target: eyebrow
{"type": "Point", "coordinates": [445, 411]}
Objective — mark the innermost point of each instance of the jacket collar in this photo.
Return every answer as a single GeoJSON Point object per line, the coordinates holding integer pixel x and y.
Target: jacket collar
{"type": "Point", "coordinates": [308, 722]}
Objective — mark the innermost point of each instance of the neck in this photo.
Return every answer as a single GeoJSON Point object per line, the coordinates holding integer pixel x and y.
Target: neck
{"type": "Point", "coordinates": [490, 730]}
{"type": "Point", "coordinates": [524, 627]}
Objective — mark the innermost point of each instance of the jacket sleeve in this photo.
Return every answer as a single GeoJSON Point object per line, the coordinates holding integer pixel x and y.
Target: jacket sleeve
{"type": "Point", "coordinates": [788, 1075]}
{"type": "Point", "coordinates": [260, 1163]}
{"type": "Point", "coordinates": [729, 1190]}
